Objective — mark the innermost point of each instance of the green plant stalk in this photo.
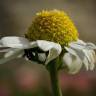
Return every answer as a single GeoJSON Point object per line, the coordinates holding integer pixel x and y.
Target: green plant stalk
{"type": "Point", "coordinates": [52, 68]}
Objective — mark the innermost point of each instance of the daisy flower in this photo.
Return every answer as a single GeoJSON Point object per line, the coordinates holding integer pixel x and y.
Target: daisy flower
{"type": "Point", "coordinates": [51, 35]}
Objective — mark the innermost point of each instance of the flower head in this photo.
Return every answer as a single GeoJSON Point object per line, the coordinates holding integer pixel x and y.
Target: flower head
{"type": "Point", "coordinates": [53, 26]}
{"type": "Point", "coordinates": [46, 41]}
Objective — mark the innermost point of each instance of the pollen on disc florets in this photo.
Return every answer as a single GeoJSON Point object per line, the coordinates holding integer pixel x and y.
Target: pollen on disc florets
{"type": "Point", "coordinates": [53, 25]}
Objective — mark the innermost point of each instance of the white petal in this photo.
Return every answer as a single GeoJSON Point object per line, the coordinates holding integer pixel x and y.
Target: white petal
{"type": "Point", "coordinates": [15, 42]}
{"type": "Point", "coordinates": [2, 48]}
{"type": "Point", "coordinates": [81, 42]}
{"type": "Point", "coordinates": [53, 53]}
{"type": "Point", "coordinates": [5, 49]}
{"type": "Point", "coordinates": [78, 45]}
{"type": "Point", "coordinates": [85, 52]}
{"type": "Point", "coordinates": [90, 46]}
{"type": "Point", "coordinates": [67, 59]}
{"type": "Point", "coordinates": [11, 52]}
{"type": "Point", "coordinates": [91, 57]}
{"type": "Point", "coordinates": [53, 48]}
{"type": "Point", "coordinates": [81, 55]}
{"type": "Point", "coordinates": [47, 45]}
{"type": "Point", "coordinates": [76, 52]}
{"type": "Point", "coordinates": [87, 57]}
{"type": "Point", "coordinates": [73, 63]}
{"type": "Point", "coordinates": [71, 51]}
{"type": "Point", "coordinates": [11, 55]}
{"type": "Point", "coordinates": [33, 44]}
{"type": "Point", "coordinates": [42, 57]}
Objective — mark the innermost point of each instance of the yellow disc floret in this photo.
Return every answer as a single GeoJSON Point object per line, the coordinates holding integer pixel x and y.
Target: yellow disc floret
{"type": "Point", "coordinates": [53, 26]}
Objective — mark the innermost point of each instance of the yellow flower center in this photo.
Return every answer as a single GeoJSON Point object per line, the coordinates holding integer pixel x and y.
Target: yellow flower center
{"type": "Point", "coordinates": [53, 26]}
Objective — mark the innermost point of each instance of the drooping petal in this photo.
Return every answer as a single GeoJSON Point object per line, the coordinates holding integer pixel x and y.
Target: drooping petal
{"type": "Point", "coordinates": [91, 57]}
{"type": "Point", "coordinates": [15, 42]}
{"type": "Point", "coordinates": [42, 57]}
{"type": "Point", "coordinates": [53, 48]}
{"type": "Point", "coordinates": [71, 51]}
{"type": "Point", "coordinates": [5, 49]}
{"type": "Point", "coordinates": [76, 52]}
{"type": "Point", "coordinates": [81, 42]}
{"type": "Point", "coordinates": [47, 45]}
{"type": "Point", "coordinates": [53, 53]}
{"type": "Point", "coordinates": [11, 55]}
{"type": "Point", "coordinates": [33, 44]}
{"type": "Point", "coordinates": [77, 45]}
{"type": "Point", "coordinates": [72, 62]}
{"type": "Point", "coordinates": [85, 52]}
{"type": "Point", "coordinates": [11, 52]}
{"type": "Point", "coordinates": [2, 48]}
{"type": "Point", "coordinates": [90, 46]}
{"type": "Point", "coordinates": [80, 54]}
{"type": "Point", "coordinates": [86, 63]}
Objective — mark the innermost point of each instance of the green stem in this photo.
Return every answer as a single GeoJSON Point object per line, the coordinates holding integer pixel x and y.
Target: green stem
{"type": "Point", "coordinates": [52, 68]}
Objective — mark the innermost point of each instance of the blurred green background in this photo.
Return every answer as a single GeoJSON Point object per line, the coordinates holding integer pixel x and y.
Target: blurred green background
{"type": "Point", "coordinates": [21, 78]}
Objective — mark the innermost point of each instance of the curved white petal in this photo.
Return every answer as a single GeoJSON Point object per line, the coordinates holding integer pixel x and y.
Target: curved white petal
{"type": "Point", "coordinates": [42, 57]}
{"type": "Point", "coordinates": [90, 46]}
{"type": "Point", "coordinates": [15, 42]}
{"type": "Point", "coordinates": [71, 51]}
{"type": "Point", "coordinates": [76, 52]}
{"type": "Point", "coordinates": [53, 48]}
{"type": "Point", "coordinates": [86, 63]}
{"type": "Point", "coordinates": [77, 45]}
{"type": "Point", "coordinates": [33, 44]}
{"type": "Point", "coordinates": [80, 54]}
{"type": "Point", "coordinates": [11, 55]}
{"type": "Point", "coordinates": [72, 62]}
{"type": "Point", "coordinates": [85, 52]}
{"type": "Point", "coordinates": [81, 42]}
{"type": "Point", "coordinates": [53, 53]}
{"type": "Point", "coordinates": [91, 58]}
{"type": "Point", "coordinates": [5, 49]}
{"type": "Point", "coordinates": [47, 45]}
{"type": "Point", "coordinates": [2, 48]}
